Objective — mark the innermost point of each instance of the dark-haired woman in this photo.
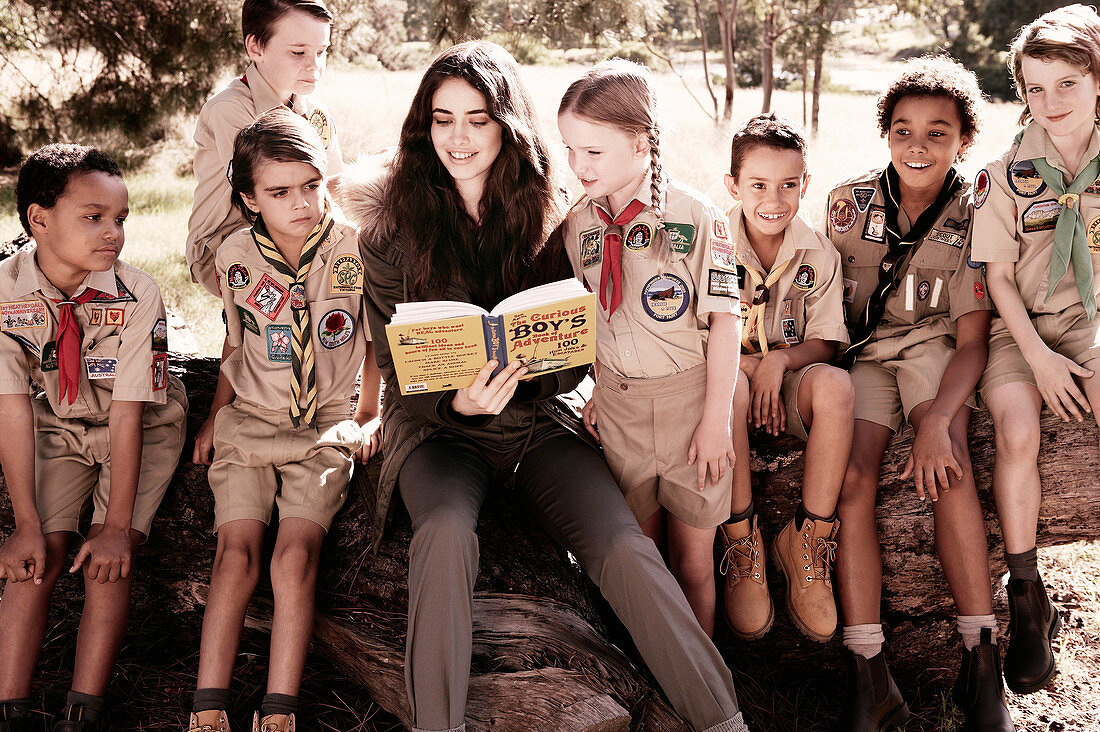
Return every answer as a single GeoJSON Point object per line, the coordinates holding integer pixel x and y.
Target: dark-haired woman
{"type": "Point", "coordinates": [464, 212]}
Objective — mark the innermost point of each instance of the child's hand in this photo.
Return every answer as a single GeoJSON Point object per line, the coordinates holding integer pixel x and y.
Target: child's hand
{"type": "Point", "coordinates": [107, 554]}
{"type": "Point", "coordinates": [712, 450]}
{"type": "Point", "coordinates": [930, 458]}
{"type": "Point", "coordinates": [23, 556]}
{"type": "Point", "coordinates": [767, 409]}
{"type": "Point", "coordinates": [372, 439]}
{"type": "Point", "coordinates": [588, 417]}
{"type": "Point", "coordinates": [204, 443]}
{"type": "Point", "coordinates": [489, 394]}
{"type": "Point", "coordinates": [1054, 376]}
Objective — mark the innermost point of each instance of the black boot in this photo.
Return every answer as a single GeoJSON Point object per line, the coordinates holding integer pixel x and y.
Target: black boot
{"type": "Point", "coordinates": [13, 716]}
{"type": "Point", "coordinates": [72, 720]}
{"type": "Point", "coordinates": [979, 692]}
{"type": "Point", "coordinates": [1033, 624]}
{"type": "Point", "coordinates": [874, 703]}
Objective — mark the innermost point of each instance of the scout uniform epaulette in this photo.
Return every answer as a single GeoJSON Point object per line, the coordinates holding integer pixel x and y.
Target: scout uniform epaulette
{"type": "Point", "coordinates": [660, 327]}
{"type": "Point", "coordinates": [800, 298]}
{"type": "Point", "coordinates": [213, 216]}
{"type": "Point", "coordinates": [910, 292]}
{"type": "Point", "coordinates": [1016, 215]}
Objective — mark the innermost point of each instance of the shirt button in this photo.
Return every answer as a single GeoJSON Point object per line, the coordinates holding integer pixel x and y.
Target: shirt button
{"type": "Point", "coordinates": [626, 353]}
{"type": "Point", "coordinates": [622, 386]}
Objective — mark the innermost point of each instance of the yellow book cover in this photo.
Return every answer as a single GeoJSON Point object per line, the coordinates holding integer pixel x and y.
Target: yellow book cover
{"type": "Point", "coordinates": [441, 345]}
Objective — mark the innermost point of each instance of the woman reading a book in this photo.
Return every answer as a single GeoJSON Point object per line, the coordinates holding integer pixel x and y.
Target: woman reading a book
{"type": "Point", "coordinates": [464, 212]}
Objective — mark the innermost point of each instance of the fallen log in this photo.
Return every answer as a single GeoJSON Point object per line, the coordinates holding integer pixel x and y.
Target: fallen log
{"type": "Point", "coordinates": [547, 652]}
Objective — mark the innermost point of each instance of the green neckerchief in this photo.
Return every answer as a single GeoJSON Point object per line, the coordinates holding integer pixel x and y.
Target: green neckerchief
{"type": "Point", "coordinates": [1069, 233]}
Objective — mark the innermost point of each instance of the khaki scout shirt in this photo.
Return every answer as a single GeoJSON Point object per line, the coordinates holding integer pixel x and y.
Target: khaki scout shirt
{"type": "Point", "coordinates": [124, 350]}
{"type": "Point", "coordinates": [258, 317]}
{"type": "Point", "coordinates": [662, 324]}
{"type": "Point", "coordinates": [806, 302]}
{"type": "Point", "coordinates": [213, 216]}
{"type": "Point", "coordinates": [1015, 214]}
{"type": "Point", "coordinates": [941, 283]}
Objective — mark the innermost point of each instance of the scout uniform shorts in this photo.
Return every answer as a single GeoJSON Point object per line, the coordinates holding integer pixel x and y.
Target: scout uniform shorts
{"type": "Point", "coordinates": [261, 460]}
{"type": "Point", "coordinates": [646, 427]}
{"type": "Point", "coordinates": [887, 391]}
{"type": "Point", "coordinates": [1069, 333]}
{"type": "Point", "coordinates": [73, 462]}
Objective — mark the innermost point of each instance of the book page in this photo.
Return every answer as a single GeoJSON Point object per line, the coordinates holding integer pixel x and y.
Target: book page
{"type": "Point", "coordinates": [437, 355]}
{"type": "Point", "coordinates": [552, 337]}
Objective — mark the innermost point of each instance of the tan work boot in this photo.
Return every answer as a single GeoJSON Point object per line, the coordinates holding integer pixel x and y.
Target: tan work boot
{"type": "Point", "coordinates": [273, 723]}
{"type": "Point", "coordinates": [749, 609]}
{"type": "Point", "coordinates": [214, 720]}
{"type": "Point", "coordinates": [805, 557]}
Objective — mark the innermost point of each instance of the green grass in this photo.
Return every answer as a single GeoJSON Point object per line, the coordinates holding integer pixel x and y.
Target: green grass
{"type": "Point", "coordinates": [369, 106]}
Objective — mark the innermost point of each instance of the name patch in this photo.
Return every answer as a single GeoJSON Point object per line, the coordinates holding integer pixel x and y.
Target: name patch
{"type": "Point", "coordinates": [19, 315]}
{"type": "Point", "coordinates": [722, 283]}
{"type": "Point", "coordinates": [946, 237]}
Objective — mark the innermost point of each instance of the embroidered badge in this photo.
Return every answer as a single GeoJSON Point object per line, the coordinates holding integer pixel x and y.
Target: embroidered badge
{"type": "Point", "coordinates": [278, 343]}
{"type": "Point", "coordinates": [790, 334]}
{"type": "Point", "coordinates": [114, 316]}
{"type": "Point", "coordinates": [923, 289]}
{"type": "Point", "coordinates": [959, 226]}
{"type": "Point", "coordinates": [49, 356]}
{"type": "Point", "coordinates": [124, 294]}
{"type": "Point", "coordinates": [979, 291]}
{"type": "Point", "coordinates": [639, 237]}
{"type": "Point", "coordinates": [335, 329]}
{"type": "Point", "coordinates": [874, 228]}
{"type": "Point", "coordinates": [298, 296]}
{"type": "Point", "coordinates": [268, 297]}
{"type": "Point", "coordinates": [237, 276]}
{"type": "Point", "coordinates": [863, 197]}
{"type": "Point", "coordinates": [95, 317]}
{"type": "Point", "coordinates": [665, 297]}
{"type": "Point", "coordinates": [723, 253]}
{"type": "Point", "coordinates": [346, 275]}
{"type": "Point", "coordinates": [788, 305]}
{"type": "Point", "coordinates": [842, 215]}
{"type": "Point", "coordinates": [101, 368]}
{"type": "Point", "coordinates": [160, 371]}
{"type": "Point", "coordinates": [805, 277]}
{"type": "Point", "coordinates": [849, 290]}
{"type": "Point", "coordinates": [248, 320]}
{"type": "Point", "coordinates": [591, 248]}
{"type": "Point", "coordinates": [160, 336]}
{"type": "Point", "coordinates": [321, 124]}
{"type": "Point", "coordinates": [1041, 216]}
{"type": "Point", "coordinates": [1025, 180]}
{"type": "Point", "coordinates": [1092, 235]}
{"type": "Point", "coordinates": [981, 188]}
{"type": "Point", "coordinates": [722, 283]}
{"type": "Point", "coordinates": [720, 231]}
{"type": "Point", "coordinates": [946, 237]}
{"type": "Point", "coordinates": [681, 237]}
{"type": "Point", "coordinates": [974, 265]}
{"type": "Point", "coordinates": [23, 314]}
{"type": "Point", "coordinates": [1094, 187]}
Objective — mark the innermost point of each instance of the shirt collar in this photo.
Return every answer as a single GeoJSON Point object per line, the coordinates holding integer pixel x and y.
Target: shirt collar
{"type": "Point", "coordinates": [264, 96]}
{"type": "Point", "coordinates": [641, 193]}
{"type": "Point", "coordinates": [1036, 143]}
{"type": "Point", "coordinates": [797, 236]}
{"type": "Point", "coordinates": [31, 280]}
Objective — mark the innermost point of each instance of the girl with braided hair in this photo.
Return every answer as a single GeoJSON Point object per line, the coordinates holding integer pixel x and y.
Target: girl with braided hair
{"type": "Point", "coordinates": [668, 330]}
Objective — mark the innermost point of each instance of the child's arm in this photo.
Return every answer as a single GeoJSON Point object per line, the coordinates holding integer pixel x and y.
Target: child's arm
{"type": "Point", "coordinates": [766, 381]}
{"type": "Point", "coordinates": [588, 412]}
{"type": "Point", "coordinates": [23, 555]}
{"type": "Point", "coordinates": [1053, 372]}
{"type": "Point", "coordinates": [933, 452]}
{"type": "Point", "coordinates": [712, 443]}
{"type": "Point", "coordinates": [366, 409]}
{"type": "Point", "coordinates": [223, 395]}
{"type": "Point", "coordinates": [108, 552]}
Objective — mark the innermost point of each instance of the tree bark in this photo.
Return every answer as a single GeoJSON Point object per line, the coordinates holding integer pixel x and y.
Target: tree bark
{"type": "Point", "coordinates": [727, 29]}
{"type": "Point", "coordinates": [546, 647]}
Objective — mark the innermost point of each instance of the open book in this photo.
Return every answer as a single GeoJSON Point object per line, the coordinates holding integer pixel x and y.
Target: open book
{"type": "Point", "coordinates": [442, 344]}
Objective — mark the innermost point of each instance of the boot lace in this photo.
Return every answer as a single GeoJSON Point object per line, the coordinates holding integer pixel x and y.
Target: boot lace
{"type": "Point", "coordinates": [741, 555]}
{"type": "Point", "coordinates": [824, 556]}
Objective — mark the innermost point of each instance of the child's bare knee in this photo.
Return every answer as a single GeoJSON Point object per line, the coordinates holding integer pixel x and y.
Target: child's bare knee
{"type": "Point", "coordinates": [294, 560]}
{"type": "Point", "coordinates": [833, 392]}
{"type": "Point", "coordinates": [239, 559]}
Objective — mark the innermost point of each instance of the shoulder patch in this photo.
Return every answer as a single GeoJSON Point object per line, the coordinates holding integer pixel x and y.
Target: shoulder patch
{"type": "Point", "coordinates": [237, 276]}
{"type": "Point", "coordinates": [863, 197]}
{"type": "Point", "coordinates": [160, 336]}
{"type": "Point", "coordinates": [346, 275]}
{"type": "Point", "coordinates": [806, 277]}
{"type": "Point", "coordinates": [320, 122]}
{"type": "Point", "coordinates": [722, 283]}
{"type": "Point", "coordinates": [1025, 180]}
{"type": "Point", "coordinates": [842, 215]}
{"type": "Point", "coordinates": [723, 253]}
{"type": "Point", "coordinates": [160, 371]}
{"type": "Point", "coordinates": [681, 237]}
{"type": "Point", "coordinates": [981, 187]}
{"type": "Point", "coordinates": [23, 314]}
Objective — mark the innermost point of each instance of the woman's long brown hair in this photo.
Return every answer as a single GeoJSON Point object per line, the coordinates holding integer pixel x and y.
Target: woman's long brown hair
{"type": "Point", "coordinates": [519, 207]}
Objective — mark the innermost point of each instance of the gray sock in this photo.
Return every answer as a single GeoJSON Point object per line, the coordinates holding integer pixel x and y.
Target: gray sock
{"type": "Point", "coordinates": [864, 640]}
{"type": "Point", "coordinates": [1024, 565]}
{"type": "Point", "coordinates": [970, 628]}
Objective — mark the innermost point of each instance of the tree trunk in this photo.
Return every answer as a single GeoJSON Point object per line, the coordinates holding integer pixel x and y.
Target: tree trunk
{"type": "Point", "coordinates": [727, 28]}
{"type": "Point", "coordinates": [546, 648]}
{"type": "Point", "coordinates": [767, 58]}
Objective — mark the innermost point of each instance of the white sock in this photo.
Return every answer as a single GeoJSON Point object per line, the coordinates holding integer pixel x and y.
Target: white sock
{"type": "Point", "coordinates": [864, 640]}
{"type": "Point", "coordinates": [970, 628]}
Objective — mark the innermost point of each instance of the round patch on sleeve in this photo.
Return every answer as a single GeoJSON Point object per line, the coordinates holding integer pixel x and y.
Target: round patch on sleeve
{"type": "Point", "coordinates": [981, 187]}
{"type": "Point", "coordinates": [320, 123]}
{"type": "Point", "coordinates": [335, 329]}
{"type": "Point", "coordinates": [665, 297]}
{"type": "Point", "coordinates": [1025, 180]}
{"type": "Point", "coordinates": [806, 277]}
{"type": "Point", "coordinates": [842, 215]}
{"type": "Point", "coordinates": [237, 276]}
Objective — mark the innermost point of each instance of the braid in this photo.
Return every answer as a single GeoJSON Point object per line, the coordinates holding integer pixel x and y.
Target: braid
{"type": "Point", "coordinates": [657, 185]}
